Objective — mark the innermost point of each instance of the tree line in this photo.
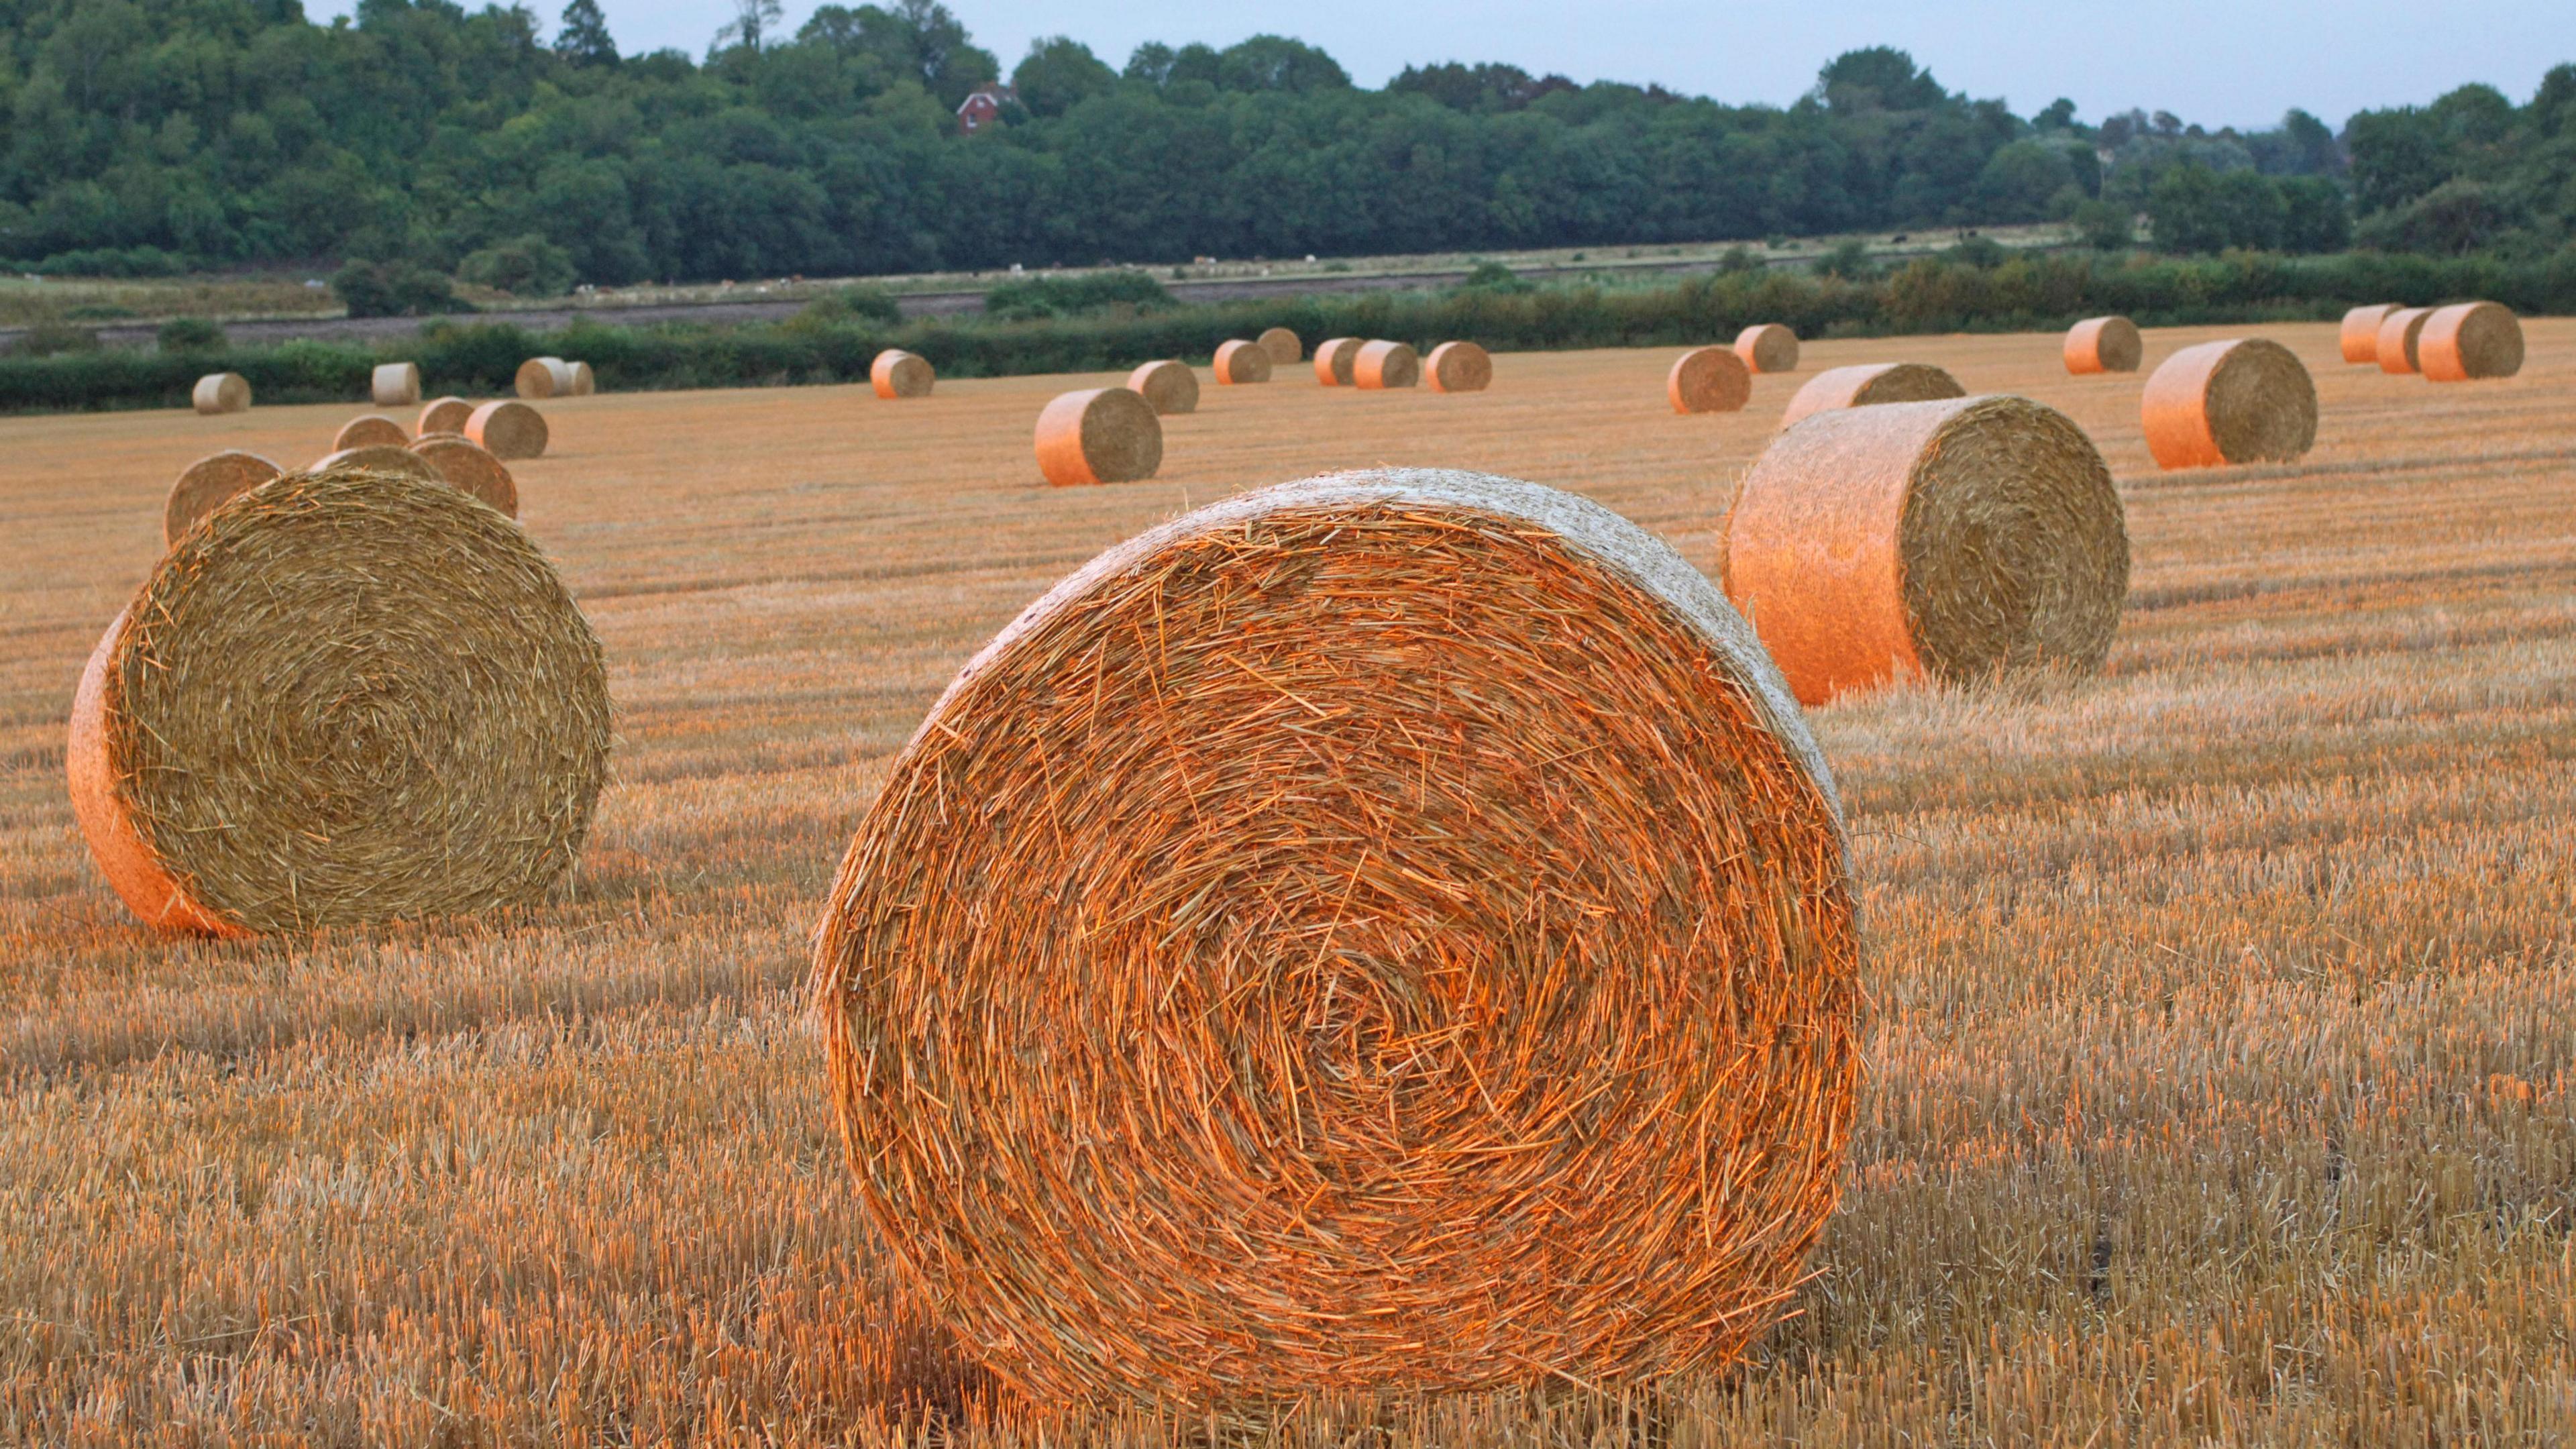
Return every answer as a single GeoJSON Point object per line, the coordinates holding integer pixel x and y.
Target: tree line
{"type": "Point", "coordinates": [419, 140]}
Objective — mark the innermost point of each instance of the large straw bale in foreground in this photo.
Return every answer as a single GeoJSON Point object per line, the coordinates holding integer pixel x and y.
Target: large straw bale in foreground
{"type": "Point", "coordinates": [1380, 365]}
{"type": "Point", "coordinates": [1239, 363]}
{"type": "Point", "coordinates": [1951, 540]}
{"type": "Point", "coordinates": [2359, 336]}
{"type": "Point", "coordinates": [1867, 385]}
{"type": "Point", "coordinates": [1282, 345]}
{"type": "Point", "coordinates": [221, 392]}
{"type": "Point", "coordinates": [2399, 335]}
{"type": "Point", "coordinates": [1458, 367]}
{"type": "Point", "coordinates": [471, 470]}
{"type": "Point", "coordinates": [1335, 357]}
{"type": "Point", "coordinates": [1387, 931]}
{"type": "Point", "coordinates": [2104, 344]}
{"type": "Point", "coordinates": [508, 429]}
{"type": "Point", "coordinates": [2472, 340]}
{"type": "Point", "coordinates": [2233, 401]}
{"type": "Point", "coordinates": [370, 430]}
{"type": "Point", "coordinates": [1768, 347]}
{"type": "Point", "coordinates": [395, 384]}
{"type": "Point", "coordinates": [1099, 435]}
{"type": "Point", "coordinates": [443, 415]}
{"type": "Point", "coordinates": [206, 484]}
{"type": "Point", "coordinates": [899, 374]}
{"type": "Point", "coordinates": [1709, 380]}
{"type": "Point", "coordinates": [543, 377]}
{"type": "Point", "coordinates": [1167, 387]}
{"type": "Point", "coordinates": [343, 697]}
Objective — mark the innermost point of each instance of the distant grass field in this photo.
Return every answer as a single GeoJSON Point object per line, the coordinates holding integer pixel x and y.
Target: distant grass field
{"type": "Point", "coordinates": [2221, 1024]}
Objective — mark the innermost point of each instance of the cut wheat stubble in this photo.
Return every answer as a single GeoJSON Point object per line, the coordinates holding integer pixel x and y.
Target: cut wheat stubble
{"type": "Point", "coordinates": [1951, 540]}
{"type": "Point", "coordinates": [428, 735]}
{"type": "Point", "coordinates": [1202, 968]}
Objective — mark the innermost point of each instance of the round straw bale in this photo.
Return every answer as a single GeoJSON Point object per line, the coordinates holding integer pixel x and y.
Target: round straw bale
{"type": "Point", "coordinates": [1458, 367]}
{"type": "Point", "coordinates": [469, 469]}
{"type": "Point", "coordinates": [395, 459]}
{"type": "Point", "coordinates": [2104, 344]}
{"type": "Point", "coordinates": [584, 381]}
{"type": "Point", "coordinates": [508, 429]}
{"type": "Point", "coordinates": [897, 373]}
{"type": "Point", "coordinates": [1217, 1016]}
{"type": "Point", "coordinates": [343, 697]}
{"type": "Point", "coordinates": [1379, 365]}
{"type": "Point", "coordinates": [1335, 357]}
{"type": "Point", "coordinates": [2399, 335]}
{"type": "Point", "coordinates": [395, 384]}
{"type": "Point", "coordinates": [1100, 435]}
{"type": "Point", "coordinates": [1953, 539]}
{"type": "Point", "coordinates": [1868, 384]}
{"type": "Point", "coordinates": [2472, 340]}
{"type": "Point", "coordinates": [369, 430]}
{"type": "Point", "coordinates": [1239, 363]}
{"type": "Point", "coordinates": [1167, 387]}
{"type": "Point", "coordinates": [2360, 336]}
{"type": "Point", "coordinates": [1709, 380]}
{"type": "Point", "coordinates": [208, 482]}
{"type": "Point", "coordinates": [2237, 401]}
{"type": "Point", "coordinates": [444, 415]}
{"type": "Point", "coordinates": [221, 392]}
{"type": "Point", "coordinates": [1768, 347]}
{"type": "Point", "coordinates": [544, 377]}
{"type": "Point", "coordinates": [1283, 345]}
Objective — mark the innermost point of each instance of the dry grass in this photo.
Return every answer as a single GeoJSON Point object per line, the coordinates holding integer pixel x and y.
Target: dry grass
{"type": "Point", "coordinates": [2221, 1024]}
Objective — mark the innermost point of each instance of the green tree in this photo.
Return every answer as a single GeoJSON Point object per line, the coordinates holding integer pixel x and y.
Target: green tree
{"type": "Point", "coordinates": [1058, 74]}
{"type": "Point", "coordinates": [1879, 77]}
{"type": "Point", "coordinates": [754, 23]}
{"type": "Point", "coordinates": [582, 38]}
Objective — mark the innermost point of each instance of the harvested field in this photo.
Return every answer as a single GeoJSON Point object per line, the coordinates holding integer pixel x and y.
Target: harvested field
{"type": "Point", "coordinates": [2220, 1022]}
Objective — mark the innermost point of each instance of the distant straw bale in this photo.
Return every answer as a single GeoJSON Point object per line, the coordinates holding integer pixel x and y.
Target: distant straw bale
{"type": "Point", "coordinates": [1869, 384]}
{"type": "Point", "coordinates": [341, 698]}
{"type": "Point", "coordinates": [1335, 357]}
{"type": "Point", "coordinates": [584, 381]}
{"type": "Point", "coordinates": [444, 415]}
{"type": "Point", "coordinates": [2104, 344]}
{"type": "Point", "coordinates": [395, 384]}
{"type": "Point", "coordinates": [508, 429]}
{"type": "Point", "coordinates": [1709, 380]}
{"type": "Point", "coordinates": [1282, 345]}
{"type": "Point", "coordinates": [1380, 365]}
{"type": "Point", "coordinates": [544, 377]}
{"type": "Point", "coordinates": [2235, 401]}
{"type": "Point", "coordinates": [1951, 540]}
{"type": "Point", "coordinates": [369, 430]}
{"type": "Point", "coordinates": [1167, 387]}
{"type": "Point", "coordinates": [1100, 435]}
{"type": "Point", "coordinates": [1239, 363]}
{"type": "Point", "coordinates": [1768, 347]}
{"type": "Point", "coordinates": [470, 469]}
{"type": "Point", "coordinates": [221, 392]}
{"type": "Point", "coordinates": [1385, 933]}
{"type": "Point", "coordinates": [899, 374]}
{"type": "Point", "coordinates": [2360, 335]}
{"type": "Point", "coordinates": [1458, 367]}
{"type": "Point", "coordinates": [206, 484]}
{"type": "Point", "coordinates": [2399, 336]}
{"type": "Point", "coordinates": [391, 458]}
{"type": "Point", "coordinates": [2470, 341]}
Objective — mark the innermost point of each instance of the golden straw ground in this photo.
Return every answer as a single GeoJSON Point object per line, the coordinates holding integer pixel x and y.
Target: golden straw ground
{"type": "Point", "coordinates": [2215, 1002]}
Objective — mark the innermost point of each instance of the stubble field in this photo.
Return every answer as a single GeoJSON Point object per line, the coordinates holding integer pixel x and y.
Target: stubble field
{"type": "Point", "coordinates": [2221, 1012]}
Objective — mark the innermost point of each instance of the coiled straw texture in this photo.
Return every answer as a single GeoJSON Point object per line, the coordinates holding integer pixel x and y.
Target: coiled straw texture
{"type": "Point", "coordinates": [342, 697]}
{"type": "Point", "coordinates": [1387, 931]}
{"type": "Point", "coordinates": [1952, 540]}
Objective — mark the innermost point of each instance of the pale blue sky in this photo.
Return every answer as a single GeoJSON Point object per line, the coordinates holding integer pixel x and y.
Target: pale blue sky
{"type": "Point", "coordinates": [2219, 62]}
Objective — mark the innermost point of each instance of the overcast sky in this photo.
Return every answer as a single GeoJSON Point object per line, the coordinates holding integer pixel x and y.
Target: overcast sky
{"type": "Point", "coordinates": [2217, 62]}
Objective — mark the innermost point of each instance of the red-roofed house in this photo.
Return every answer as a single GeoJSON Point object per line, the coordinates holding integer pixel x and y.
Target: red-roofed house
{"type": "Point", "coordinates": [983, 106]}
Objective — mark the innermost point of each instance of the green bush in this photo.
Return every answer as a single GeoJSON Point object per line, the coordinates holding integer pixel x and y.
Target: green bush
{"type": "Point", "coordinates": [394, 289]}
{"type": "Point", "coordinates": [52, 339]}
{"type": "Point", "coordinates": [1496, 278]}
{"type": "Point", "coordinates": [528, 266]}
{"type": "Point", "coordinates": [190, 335]}
{"type": "Point", "coordinates": [1073, 296]}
